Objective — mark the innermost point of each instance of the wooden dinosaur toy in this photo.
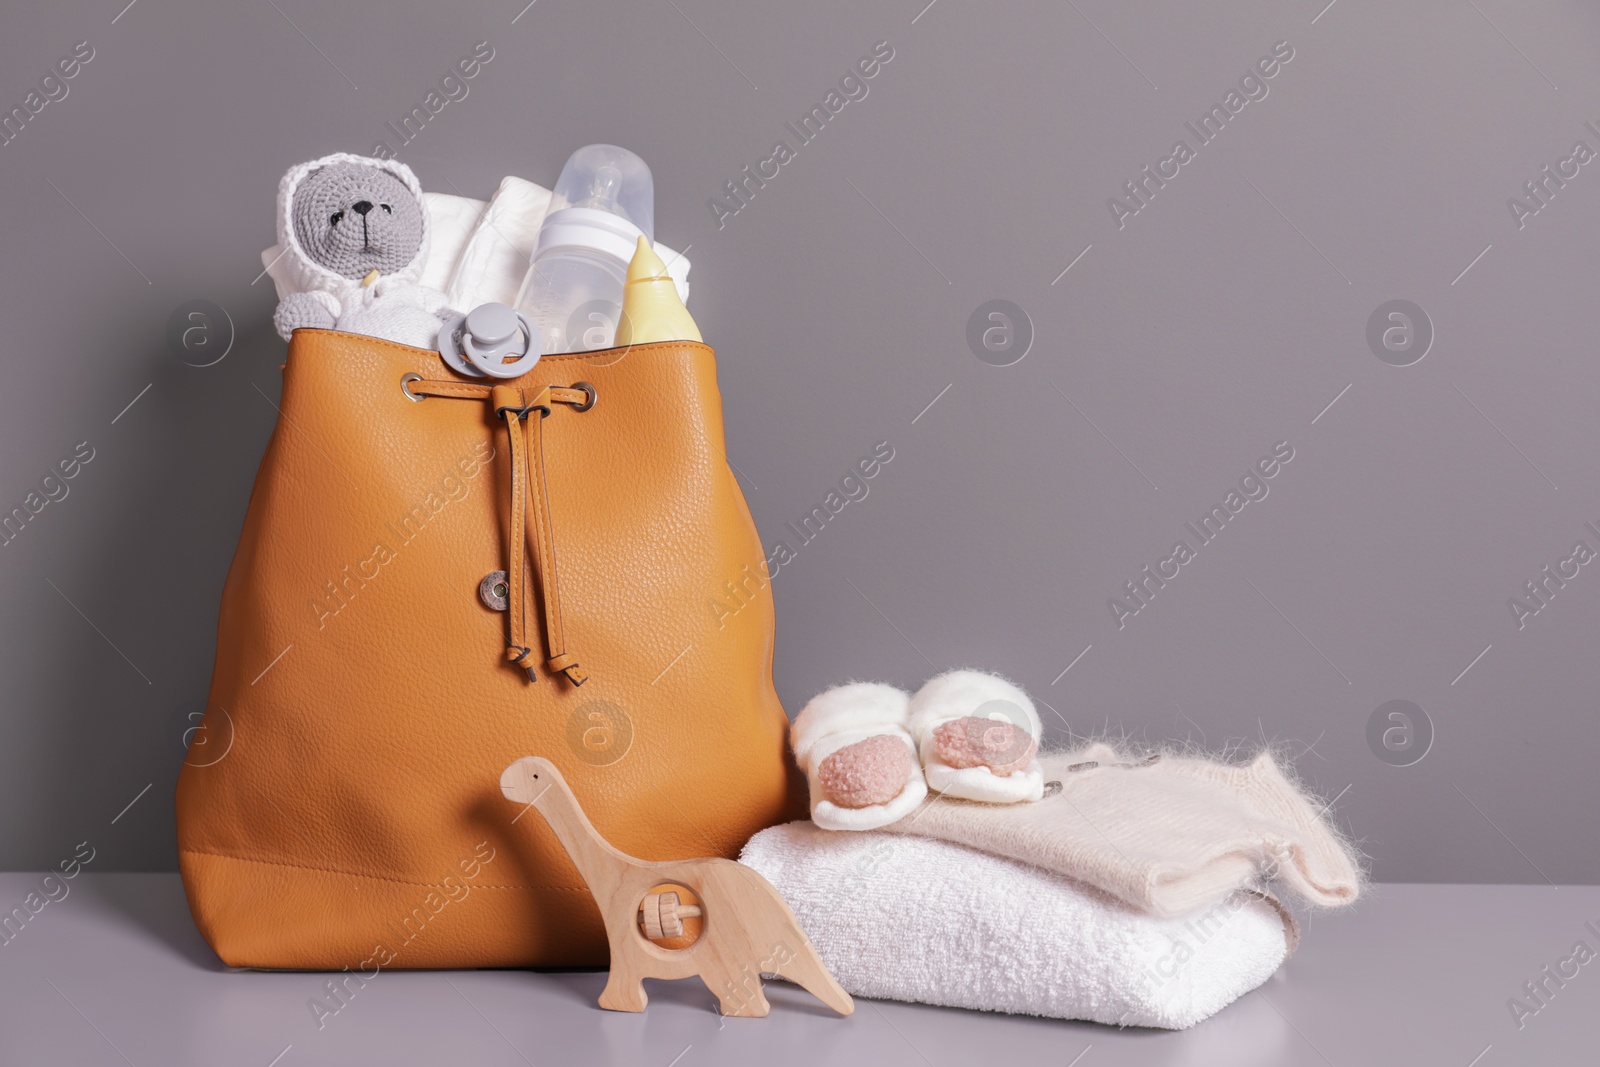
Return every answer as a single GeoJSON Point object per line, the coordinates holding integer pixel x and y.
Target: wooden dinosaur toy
{"type": "Point", "coordinates": [748, 929]}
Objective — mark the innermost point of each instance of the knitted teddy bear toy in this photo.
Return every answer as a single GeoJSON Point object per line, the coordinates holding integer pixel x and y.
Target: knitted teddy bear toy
{"type": "Point", "coordinates": [354, 235]}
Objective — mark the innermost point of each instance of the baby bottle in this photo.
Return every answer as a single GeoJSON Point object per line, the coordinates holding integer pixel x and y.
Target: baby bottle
{"type": "Point", "coordinates": [603, 203]}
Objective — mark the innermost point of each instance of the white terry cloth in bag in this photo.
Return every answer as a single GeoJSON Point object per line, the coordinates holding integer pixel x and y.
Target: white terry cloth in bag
{"type": "Point", "coordinates": [480, 250]}
{"type": "Point", "coordinates": [916, 919]}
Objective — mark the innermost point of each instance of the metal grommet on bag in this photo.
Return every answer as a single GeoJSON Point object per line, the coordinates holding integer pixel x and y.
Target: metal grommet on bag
{"type": "Point", "coordinates": [594, 395]}
{"type": "Point", "coordinates": [405, 387]}
{"type": "Point", "coordinates": [495, 591]}
{"type": "Point", "coordinates": [478, 342]}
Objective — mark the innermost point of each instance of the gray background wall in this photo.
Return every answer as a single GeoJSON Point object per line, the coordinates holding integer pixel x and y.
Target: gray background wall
{"type": "Point", "coordinates": [1221, 319]}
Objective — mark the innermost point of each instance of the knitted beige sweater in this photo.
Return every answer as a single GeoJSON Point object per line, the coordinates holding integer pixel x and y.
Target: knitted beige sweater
{"type": "Point", "coordinates": [1169, 835]}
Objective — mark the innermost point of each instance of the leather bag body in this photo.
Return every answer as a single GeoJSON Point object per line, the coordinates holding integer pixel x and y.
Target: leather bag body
{"type": "Point", "coordinates": [339, 805]}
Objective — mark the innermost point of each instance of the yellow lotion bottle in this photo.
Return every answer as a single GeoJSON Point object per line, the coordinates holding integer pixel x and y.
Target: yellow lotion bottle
{"type": "Point", "coordinates": [651, 310]}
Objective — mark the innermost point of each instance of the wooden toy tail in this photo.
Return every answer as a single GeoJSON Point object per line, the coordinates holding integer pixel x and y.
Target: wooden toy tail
{"type": "Point", "coordinates": [748, 931]}
{"type": "Point", "coordinates": [793, 955]}
{"type": "Point", "coordinates": [806, 970]}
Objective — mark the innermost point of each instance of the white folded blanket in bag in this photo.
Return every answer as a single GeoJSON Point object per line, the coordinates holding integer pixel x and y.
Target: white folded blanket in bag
{"type": "Point", "coordinates": [911, 918]}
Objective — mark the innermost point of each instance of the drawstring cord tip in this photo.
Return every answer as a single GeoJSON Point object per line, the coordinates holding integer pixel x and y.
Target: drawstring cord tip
{"type": "Point", "coordinates": [516, 654]}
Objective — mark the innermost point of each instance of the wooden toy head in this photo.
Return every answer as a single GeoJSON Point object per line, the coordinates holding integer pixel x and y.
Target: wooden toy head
{"type": "Point", "coordinates": [526, 780]}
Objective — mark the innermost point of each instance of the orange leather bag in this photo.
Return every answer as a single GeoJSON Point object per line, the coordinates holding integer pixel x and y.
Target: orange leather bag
{"type": "Point", "coordinates": [339, 806]}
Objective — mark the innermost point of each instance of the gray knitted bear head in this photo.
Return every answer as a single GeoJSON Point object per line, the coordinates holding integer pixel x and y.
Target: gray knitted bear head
{"type": "Point", "coordinates": [354, 218]}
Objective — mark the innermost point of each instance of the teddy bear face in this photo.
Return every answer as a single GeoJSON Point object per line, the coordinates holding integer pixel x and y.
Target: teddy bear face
{"type": "Point", "coordinates": [353, 218]}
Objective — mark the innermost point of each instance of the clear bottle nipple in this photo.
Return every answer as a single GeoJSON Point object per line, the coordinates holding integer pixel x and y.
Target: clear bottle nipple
{"type": "Point", "coordinates": [603, 189]}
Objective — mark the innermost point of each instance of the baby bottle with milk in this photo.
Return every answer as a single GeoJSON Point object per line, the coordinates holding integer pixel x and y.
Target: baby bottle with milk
{"type": "Point", "coordinates": [604, 202]}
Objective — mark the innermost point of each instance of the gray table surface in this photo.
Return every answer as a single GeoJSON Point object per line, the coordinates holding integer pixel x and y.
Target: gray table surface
{"type": "Point", "coordinates": [115, 973]}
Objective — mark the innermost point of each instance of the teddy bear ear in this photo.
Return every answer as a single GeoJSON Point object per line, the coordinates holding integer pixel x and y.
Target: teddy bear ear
{"type": "Point", "coordinates": [409, 180]}
{"type": "Point", "coordinates": [401, 171]}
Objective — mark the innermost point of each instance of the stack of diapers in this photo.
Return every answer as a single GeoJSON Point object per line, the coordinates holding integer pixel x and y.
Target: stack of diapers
{"type": "Point", "coordinates": [908, 918]}
{"type": "Point", "coordinates": [1096, 883]}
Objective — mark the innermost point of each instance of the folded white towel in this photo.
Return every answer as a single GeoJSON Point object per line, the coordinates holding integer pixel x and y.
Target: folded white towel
{"type": "Point", "coordinates": [911, 918]}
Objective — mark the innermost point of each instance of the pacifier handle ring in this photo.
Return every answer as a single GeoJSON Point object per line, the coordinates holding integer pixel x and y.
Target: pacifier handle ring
{"type": "Point", "coordinates": [448, 350]}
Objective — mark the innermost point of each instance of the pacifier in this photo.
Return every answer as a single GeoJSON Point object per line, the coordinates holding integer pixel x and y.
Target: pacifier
{"type": "Point", "coordinates": [478, 342]}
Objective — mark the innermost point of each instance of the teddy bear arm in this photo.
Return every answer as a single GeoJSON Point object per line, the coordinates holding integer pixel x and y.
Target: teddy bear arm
{"type": "Point", "coordinates": [314, 310]}
{"type": "Point", "coordinates": [433, 302]}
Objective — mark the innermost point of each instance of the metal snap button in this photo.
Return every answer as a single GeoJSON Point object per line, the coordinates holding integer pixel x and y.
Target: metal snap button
{"type": "Point", "coordinates": [495, 591]}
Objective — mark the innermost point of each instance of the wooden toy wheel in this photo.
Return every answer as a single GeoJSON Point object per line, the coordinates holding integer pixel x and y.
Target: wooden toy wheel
{"type": "Point", "coordinates": [661, 915]}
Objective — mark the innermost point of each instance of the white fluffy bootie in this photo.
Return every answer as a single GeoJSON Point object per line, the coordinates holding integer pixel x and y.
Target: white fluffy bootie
{"type": "Point", "coordinates": [853, 745]}
{"type": "Point", "coordinates": [978, 736]}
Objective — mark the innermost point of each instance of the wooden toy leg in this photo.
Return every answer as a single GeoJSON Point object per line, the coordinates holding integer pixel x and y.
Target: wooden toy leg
{"type": "Point", "coordinates": [623, 992]}
{"type": "Point", "coordinates": [740, 998]}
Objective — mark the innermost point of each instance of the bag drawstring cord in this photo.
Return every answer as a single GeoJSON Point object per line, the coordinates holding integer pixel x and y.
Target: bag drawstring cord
{"type": "Point", "coordinates": [524, 435]}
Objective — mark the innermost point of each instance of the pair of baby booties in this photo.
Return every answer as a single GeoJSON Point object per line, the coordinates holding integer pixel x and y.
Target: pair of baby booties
{"type": "Point", "coordinates": [871, 752]}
